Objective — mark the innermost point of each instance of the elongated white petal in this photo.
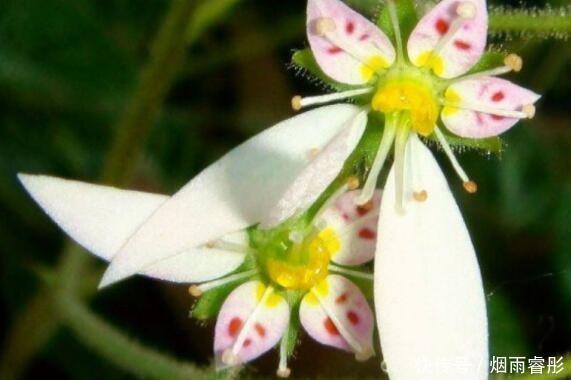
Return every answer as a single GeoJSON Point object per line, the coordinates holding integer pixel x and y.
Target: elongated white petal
{"type": "Point", "coordinates": [101, 219]}
{"type": "Point", "coordinates": [429, 298]}
{"type": "Point", "coordinates": [233, 193]}
{"type": "Point", "coordinates": [319, 174]}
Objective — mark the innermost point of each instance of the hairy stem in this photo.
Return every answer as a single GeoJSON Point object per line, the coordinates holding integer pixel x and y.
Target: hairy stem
{"type": "Point", "coordinates": [550, 22]}
{"type": "Point", "coordinates": [123, 352]}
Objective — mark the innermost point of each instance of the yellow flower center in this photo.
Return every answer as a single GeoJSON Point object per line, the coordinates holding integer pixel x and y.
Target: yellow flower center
{"type": "Point", "coordinates": [307, 263]}
{"type": "Point", "coordinates": [412, 96]}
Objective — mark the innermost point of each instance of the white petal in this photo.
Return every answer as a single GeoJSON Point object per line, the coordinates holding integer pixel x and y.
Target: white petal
{"type": "Point", "coordinates": [429, 298]}
{"type": "Point", "coordinates": [101, 219]}
{"type": "Point", "coordinates": [318, 175]}
{"type": "Point", "coordinates": [233, 193]}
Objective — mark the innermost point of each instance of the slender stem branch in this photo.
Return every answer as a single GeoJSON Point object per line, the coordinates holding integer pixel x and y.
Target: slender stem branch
{"type": "Point", "coordinates": [120, 350]}
{"type": "Point", "coordinates": [552, 22]}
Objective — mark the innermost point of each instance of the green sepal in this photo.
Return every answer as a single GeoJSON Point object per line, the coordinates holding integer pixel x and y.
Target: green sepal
{"type": "Point", "coordinates": [489, 60]}
{"type": "Point", "coordinates": [407, 17]}
{"type": "Point", "coordinates": [304, 59]}
{"type": "Point", "coordinates": [489, 145]}
{"type": "Point", "coordinates": [209, 304]}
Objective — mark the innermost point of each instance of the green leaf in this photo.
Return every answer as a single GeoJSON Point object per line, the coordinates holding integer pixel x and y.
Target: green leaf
{"type": "Point", "coordinates": [305, 60]}
{"type": "Point", "coordinates": [407, 16]}
{"type": "Point", "coordinates": [489, 60]}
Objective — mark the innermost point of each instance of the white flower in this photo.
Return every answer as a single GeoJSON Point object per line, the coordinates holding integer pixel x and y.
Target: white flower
{"type": "Point", "coordinates": [199, 236]}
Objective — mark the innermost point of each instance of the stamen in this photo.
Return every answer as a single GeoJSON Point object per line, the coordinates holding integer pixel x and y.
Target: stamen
{"type": "Point", "coordinates": [527, 112]}
{"type": "Point", "coordinates": [400, 148]}
{"type": "Point", "coordinates": [465, 11]}
{"type": "Point", "coordinates": [420, 196]}
{"type": "Point", "coordinates": [297, 102]}
{"type": "Point", "coordinates": [228, 246]}
{"type": "Point", "coordinates": [283, 370]}
{"type": "Point", "coordinates": [512, 62]}
{"type": "Point", "coordinates": [470, 186]}
{"type": "Point", "coordinates": [382, 153]}
{"type": "Point", "coordinates": [361, 353]}
{"type": "Point", "coordinates": [199, 290]}
{"type": "Point", "coordinates": [396, 28]}
{"type": "Point", "coordinates": [350, 272]}
{"type": "Point", "coordinates": [230, 356]}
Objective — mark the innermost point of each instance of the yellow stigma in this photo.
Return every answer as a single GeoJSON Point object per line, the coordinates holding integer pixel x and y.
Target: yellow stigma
{"type": "Point", "coordinates": [307, 264]}
{"type": "Point", "coordinates": [414, 97]}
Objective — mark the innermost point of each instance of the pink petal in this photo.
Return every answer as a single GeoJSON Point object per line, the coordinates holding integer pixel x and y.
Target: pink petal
{"type": "Point", "coordinates": [463, 49]}
{"type": "Point", "coordinates": [265, 323]}
{"type": "Point", "coordinates": [489, 93]}
{"type": "Point", "coordinates": [335, 313]}
{"type": "Point", "coordinates": [363, 43]}
{"type": "Point", "coordinates": [355, 226]}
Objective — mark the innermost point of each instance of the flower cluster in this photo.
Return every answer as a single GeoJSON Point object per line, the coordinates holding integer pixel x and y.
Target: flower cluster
{"type": "Point", "coordinates": [283, 228]}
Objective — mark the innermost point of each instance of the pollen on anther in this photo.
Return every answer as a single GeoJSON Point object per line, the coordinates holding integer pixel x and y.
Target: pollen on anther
{"type": "Point", "coordinates": [420, 196]}
{"type": "Point", "coordinates": [471, 187]}
{"type": "Point", "coordinates": [529, 110]}
{"type": "Point", "coordinates": [194, 291]}
{"type": "Point", "coordinates": [283, 373]}
{"type": "Point", "coordinates": [296, 103]}
{"type": "Point", "coordinates": [514, 62]}
{"type": "Point", "coordinates": [353, 183]}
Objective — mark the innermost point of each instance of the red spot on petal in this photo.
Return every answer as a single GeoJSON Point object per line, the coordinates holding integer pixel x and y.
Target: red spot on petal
{"type": "Point", "coordinates": [441, 26]}
{"type": "Point", "coordinates": [342, 298]}
{"type": "Point", "coordinates": [260, 329]}
{"type": "Point", "coordinates": [353, 318]}
{"type": "Point", "coordinates": [350, 27]}
{"type": "Point", "coordinates": [247, 342]}
{"type": "Point", "coordinates": [367, 233]}
{"type": "Point", "coordinates": [364, 37]}
{"type": "Point", "coordinates": [330, 327]}
{"type": "Point", "coordinates": [334, 50]}
{"type": "Point", "coordinates": [498, 96]}
{"type": "Point", "coordinates": [497, 117]}
{"type": "Point", "coordinates": [462, 45]}
{"type": "Point", "coordinates": [234, 327]}
{"type": "Point", "coordinates": [479, 118]}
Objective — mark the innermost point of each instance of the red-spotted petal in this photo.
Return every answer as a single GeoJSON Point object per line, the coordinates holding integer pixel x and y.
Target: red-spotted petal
{"type": "Point", "coordinates": [252, 321]}
{"type": "Point", "coordinates": [447, 42]}
{"type": "Point", "coordinates": [336, 313]}
{"type": "Point", "coordinates": [355, 226]}
{"type": "Point", "coordinates": [475, 96]}
{"type": "Point", "coordinates": [353, 48]}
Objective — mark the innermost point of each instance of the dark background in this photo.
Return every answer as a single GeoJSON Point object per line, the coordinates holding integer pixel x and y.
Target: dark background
{"type": "Point", "coordinates": [68, 69]}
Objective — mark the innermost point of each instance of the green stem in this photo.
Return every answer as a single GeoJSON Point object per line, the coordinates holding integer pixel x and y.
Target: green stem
{"type": "Point", "coordinates": [120, 350]}
{"type": "Point", "coordinates": [551, 22]}
{"type": "Point", "coordinates": [167, 55]}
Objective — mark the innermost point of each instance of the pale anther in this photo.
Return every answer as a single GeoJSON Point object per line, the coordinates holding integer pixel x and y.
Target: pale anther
{"type": "Point", "coordinates": [229, 358]}
{"type": "Point", "coordinates": [471, 187]}
{"type": "Point", "coordinates": [529, 110]}
{"type": "Point", "coordinates": [420, 196]}
{"type": "Point", "coordinates": [324, 25]}
{"type": "Point", "coordinates": [466, 10]}
{"type": "Point", "coordinates": [314, 152]}
{"type": "Point", "coordinates": [514, 62]}
{"type": "Point", "coordinates": [195, 291]}
{"type": "Point", "coordinates": [353, 183]}
{"type": "Point", "coordinates": [296, 103]}
{"type": "Point", "coordinates": [283, 373]}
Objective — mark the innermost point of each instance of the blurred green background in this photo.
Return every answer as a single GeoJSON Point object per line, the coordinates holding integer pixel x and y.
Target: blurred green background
{"type": "Point", "coordinates": [145, 94]}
